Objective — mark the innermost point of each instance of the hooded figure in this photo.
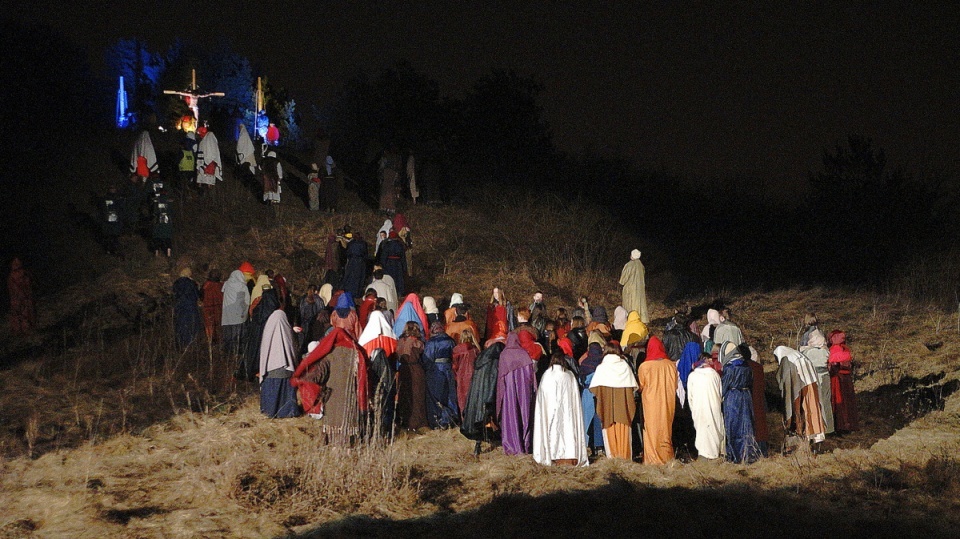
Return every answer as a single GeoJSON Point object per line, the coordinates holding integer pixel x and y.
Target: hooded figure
{"type": "Point", "coordinates": [356, 268]}
{"type": "Point", "coordinates": [558, 432]}
{"type": "Point", "coordinates": [411, 405]}
{"type": "Point", "coordinates": [411, 311]}
{"type": "Point", "coordinates": [332, 384]}
{"type": "Point", "coordinates": [382, 235]}
{"type": "Point", "coordinates": [482, 396]}
{"type": "Point", "coordinates": [634, 294]}
{"type": "Point", "coordinates": [704, 398]}
{"type": "Point", "coordinates": [464, 357]}
{"type": "Point", "coordinates": [186, 312]}
{"type": "Point", "coordinates": [657, 377]}
{"type": "Point", "coordinates": [516, 386]}
{"type": "Point", "coordinates": [209, 164]}
{"type": "Point", "coordinates": [801, 397]}
{"type": "Point", "coordinates": [344, 315]}
{"type": "Point", "coordinates": [385, 290]}
{"type": "Point", "coordinates": [588, 366]}
{"type": "Point", "coordinates": [816, 351]}
{"type": "Point", "coordinates": [737, 382]}
{"type": "Point", "coordinates": [143, 158]}
{"type": "Point", "coordinates": [841, 381]}
{"type": "Point", "coordinates": [236, 301]}
{"type": "Point", "coordinates": [278, 360]}
{"type": "Point", "coordinates": [246, 153]}
{"type": "Point", "coordinates": [393, 260]}
{"type": "Point", "coordinates": [380, 344]}
{"type": "Point", "coordinates": [613, 385]}
{"type": "Point", "coordinates": [619, 318]}
{"type": "Point", "coordinates": [430, 308]}
{"type": "Point", "coordinates": [267, 304]}
{"type": "Point", "coordinates": [713, 320]}
{"type": "Point", "coordinates": [634, 331]}
{"type": "Point", "coordinates": [442, 409]}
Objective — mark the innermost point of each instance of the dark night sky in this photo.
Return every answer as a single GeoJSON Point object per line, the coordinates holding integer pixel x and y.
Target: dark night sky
{"type": "Point", "coordinates": [755, 90]}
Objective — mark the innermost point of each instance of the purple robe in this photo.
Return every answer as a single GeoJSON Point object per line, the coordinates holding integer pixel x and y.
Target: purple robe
{"type": "Point", "coordinates": [516, 386]}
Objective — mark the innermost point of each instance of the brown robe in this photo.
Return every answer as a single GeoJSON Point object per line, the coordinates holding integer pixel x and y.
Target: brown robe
{"type": "Point", "coordinates": [761, 431]}
{"type": "Point", "coordinates": [412, 407]}
{"type": "Point", "coordinates": [658, 393]}
{"type": "Point", "coordinates": [616, 408]}
{"type": "Point", "coordinates": [337, 374]}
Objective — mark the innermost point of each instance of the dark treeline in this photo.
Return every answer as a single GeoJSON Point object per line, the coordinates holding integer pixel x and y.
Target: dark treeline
{"type": "Point", "coordinates": [862, 222]}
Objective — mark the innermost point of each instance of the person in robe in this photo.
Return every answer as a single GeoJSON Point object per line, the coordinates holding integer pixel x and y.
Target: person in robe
{"type": "Point", "coordinates": [411, 406]}
{"type": "Point", "coordinates": [186, 311]}
{"type": "Point", "coordinates": [344, 315]}
{"type": "Point", "coordinates": [385, 289]}
{"type": "Point", "coordinates": [313, 187]}
{"type": "Point", "coordinates": [727, 331]}
{"type": "Point", "coordinates": [332, 384]}
{"type": "Point", "coordinates": [331, 186]}
{"type": "Point", "coordinates": [310, 306]}
{"type": "Point", "coordinates": [431, 310]}
{"type": "Point", "coordinates": [367, 306]}
{"type": "Point", "coordinates": [578, 336]}
{"type": "Point", "coordinates": [450, 314]}
{"type": "Point", "coordinates": [278, 360]}
{"type": "Point", "coordinates": [707, 333]}
{"type": "Point", "coordinates": [634, 292]}
{"type": "Point", "coordinates": [841, 381]}
{"type": "Point", "coordinates": [326, 295]}
{"type": "Point", "coordinates": [761, 430]}
{"type": "Point", "coordinates": [20, 290]}
{"type": "Point", "coordinates": [657, 378]}
{"type": "Point", "coordinates": [684, 432]}
{"type": "Point", "coordinates": [406, 237]}
{"type": "Point", "coordinates": [412, 178]}
{"type": "Point", "coordinates": [320, 326]}
{"type": "Point", "coordinates": [797, 379]}
{"type": "Point", "coordinates": [619, 320]}
{"type": "Point", "coordinates": [461, 323]}
{"type": "Point", "coordinates": [815, 348]}
{"type": "Point", "coordinates": [704, 397]}
{"type": "Point", "coordinates": [562, 323]}
{"type": "Point", "coordinates": [676, 336]}
{"type": "Point", "coordinates": [209, 163]}
{"type": "Point", "coordinates": [143, 158]}
{"type": "Point", "coordinates": [394, 260]}
{"type": "Point", "coordinates": [479, 415]}
{"type": "Point", "coordinates": [496, 311]}
{"type": "Point", "coordinates": [589, 362]}
{"type": "Point", "coordinates": [236, 301]}
{"type": "Point", "coordinates": [212, 305]}
{"type": "Point", "coordinates": [256, 294]}
{"type": "Point", "coordinates": [266, 302]}
{"type": "Point", "coordinates": [382, 237]}
{"type": "Point", "coordinates": [355, 271]}
{"type": "Point", "coordinates": [246, 153]}
{"type": "Point", "coordinates": [464, 357]}
{"type": "Point", "coordinates": [558, 432]}
{"type": "Point", "coordinates": [811, 329]}
{"type": "Point", "coordinates": [442, 409]}
{"type": "Point", "coordinates": [271, 174]}
{"type": "Point", "coordinates": [613, 385]}
{"type": "Point", "coordinates": [737, 384]}
{"type": "Point", "coordinates": [411, 311]}
{"type": "Point", "coordinates": [634, 331]}
{"type": "Point", "coordinates": [380, 344]}
{"type": "Point", "coordinates": [331, 262]}
{"type": "Point", "coordinates": [516, 386]}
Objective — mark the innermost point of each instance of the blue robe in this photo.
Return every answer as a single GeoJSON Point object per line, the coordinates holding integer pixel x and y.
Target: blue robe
{"type": "Point", "coordinates": [393, 259]}
{"type": "Point", "coordinates": [737, 381]}
{"type": "Point", "coordinates": [442, 408]}
{"type": "Point", "coordinates": [186, 313]}
{"type": "Point", "coordinates": [355, 271]}
{"type": "Point", "coordinates": [408, 314]}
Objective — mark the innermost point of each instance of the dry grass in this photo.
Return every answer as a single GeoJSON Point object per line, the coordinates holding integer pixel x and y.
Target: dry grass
{"type": "Point", "coordinates": [108, 431]}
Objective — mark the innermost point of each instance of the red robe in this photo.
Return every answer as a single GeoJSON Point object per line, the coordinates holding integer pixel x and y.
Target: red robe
{"type": "Point", "coordinates": [212, 309]}
{"type": "Point", "coordinates": [464, 356]}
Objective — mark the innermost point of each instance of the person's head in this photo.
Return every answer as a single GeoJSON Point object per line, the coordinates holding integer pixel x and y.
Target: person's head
{"type": "Point", "coordinates": [370, 294]}
{"type": "Point", "coordinates": [578, 322]}
{"type": "Point", "coordinates": [467, 337]}
{"type": "Point", "coordinates": [726, 314]}
{"type": "Point", "coordinates": [270, 274]}
{"type": "Point", "coordinates": [561, 315]}
{"type": "Point", "coordinates": [612, 348]}
{"type": "Point", "coordinates": [412, 329]}
{"type": "Point", "coordinates": [461, 309]}
{"type": "Point", "coordinates": [558, 358]}
{"type": "Point", "coordinates": [810, 319]}
{"type": "Point", "coordinates": [436, 328]}
{"type": "Point", "coordinates": [744, 350]}
{"type": "Point", "coordinates": [523, 315]}
{"type": "Point", "coordinates": [215, 275]}
{"type": "Point", "coordinates": [381, 304]}
{"type": "Point", "coordinates": [378, 274]}
{"type": "Point", "coordinates": [383, 234]}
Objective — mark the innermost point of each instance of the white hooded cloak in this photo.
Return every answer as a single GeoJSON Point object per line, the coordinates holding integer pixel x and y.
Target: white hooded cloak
{"type": "Point", "coordinates": [558, 431]}
{"type": "Point", "coordinates": [209, 152]}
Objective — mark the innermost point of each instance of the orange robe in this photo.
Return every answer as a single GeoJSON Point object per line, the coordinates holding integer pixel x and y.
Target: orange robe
{"type": "Point", "coordinates": [454, 329]}
{"type": "Point", "coordinates": [658, 393]}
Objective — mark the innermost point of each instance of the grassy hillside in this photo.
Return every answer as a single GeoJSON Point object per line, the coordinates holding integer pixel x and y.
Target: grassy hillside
{"type": "Point", "coordinates": [106, 430]}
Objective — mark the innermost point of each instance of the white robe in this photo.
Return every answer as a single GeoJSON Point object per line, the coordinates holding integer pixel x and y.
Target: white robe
{"type": "Point", "coordinates": [209, 152]}
{"type": "Point", "coordinates": [386, 291]}
{"type": "Point", "coordinates": [144, 147]}
{"type": "Point", "coordinates": [558, 431]}
{"type": "Point", "coordinates": [704, 398]}
{"type": "Point", "coordinates": [246, 151]}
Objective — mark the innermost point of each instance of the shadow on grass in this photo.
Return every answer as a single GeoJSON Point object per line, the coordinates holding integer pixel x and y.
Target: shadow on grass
{"type": "Point", "coordinates": [622, 509]}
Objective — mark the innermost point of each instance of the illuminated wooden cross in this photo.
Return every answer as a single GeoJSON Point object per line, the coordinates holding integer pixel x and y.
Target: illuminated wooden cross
{"type": "Point", "coordinates": [193, 95]}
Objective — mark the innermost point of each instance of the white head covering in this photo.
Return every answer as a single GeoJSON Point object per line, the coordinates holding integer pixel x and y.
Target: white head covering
{"type": "Point", "coordinates": [613, 371]}
{"type": "Point", "coordinates": [456, 299]}
{"type": "Point", "coordinates": [635, 254]}
{"type": "Point", "coordinates": [325, 293]}
{"type": "Point", "coordinates": [276, 347]}
{"type": "Point", "coordinates": [430, 305]}
{"type": "Point", "coordinates": [804, 367]}
{"type": "Point", "coordinates": [377, 325]}
{"type": "Point", "coordinates": [387, 225]}
{"type": "Point", "coordinates": [619, 318]}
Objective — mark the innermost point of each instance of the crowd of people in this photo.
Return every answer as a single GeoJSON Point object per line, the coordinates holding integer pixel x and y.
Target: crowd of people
{"type": "Point", "coordinates": [561, 387]}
